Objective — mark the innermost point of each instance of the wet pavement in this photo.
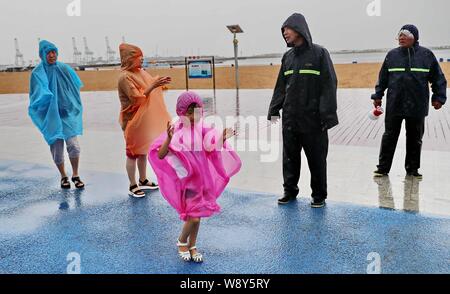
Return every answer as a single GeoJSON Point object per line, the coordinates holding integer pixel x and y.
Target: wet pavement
{"type": "Point", "coordinates": [40, 224]}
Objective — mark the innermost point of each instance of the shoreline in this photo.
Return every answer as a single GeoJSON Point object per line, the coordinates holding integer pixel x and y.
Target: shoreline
{"type": "Point", "coordinates": [361, 75]}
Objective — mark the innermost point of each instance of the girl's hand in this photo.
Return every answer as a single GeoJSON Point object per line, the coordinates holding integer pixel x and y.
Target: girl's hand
{"type": "Point", "coordinates": [170, 130]}
{"type": "Point", "coordinates": [163, 81]}
{"type": "Point", "coordinates": [228, 133]}
{"type": "Point", "coordinates": [164, 150]}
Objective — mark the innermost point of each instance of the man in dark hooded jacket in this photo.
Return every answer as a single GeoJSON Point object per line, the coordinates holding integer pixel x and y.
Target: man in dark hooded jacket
{"type": "Point", "coordinates": [306, 92]}
{"type": "Point", "coordinates": [406, 73]}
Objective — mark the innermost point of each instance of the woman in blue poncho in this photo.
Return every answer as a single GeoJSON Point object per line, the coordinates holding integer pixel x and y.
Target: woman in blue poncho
{"type": "Point", "coordinates": [55, 108]}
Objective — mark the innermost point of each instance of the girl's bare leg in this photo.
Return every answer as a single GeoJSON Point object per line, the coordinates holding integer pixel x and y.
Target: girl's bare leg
{"type": "Point", "coordinates": [194, 234]}
{"type": "Point", "coordinates": [189, 225]}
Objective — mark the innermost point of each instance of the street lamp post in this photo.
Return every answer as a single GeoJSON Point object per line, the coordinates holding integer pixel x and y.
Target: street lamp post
{"type": "Point", "coordinates": [236, 29]}
{"type": "Point", "coordinates": [236, 63]}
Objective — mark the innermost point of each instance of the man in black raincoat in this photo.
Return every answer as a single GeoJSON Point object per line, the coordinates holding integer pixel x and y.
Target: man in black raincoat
{"type": "Point", "coordinates": [406, 73]}
{"type": "Point", "coordinates": [306, 92]}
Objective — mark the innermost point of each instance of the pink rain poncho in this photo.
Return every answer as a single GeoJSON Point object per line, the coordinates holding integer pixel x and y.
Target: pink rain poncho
{"type": "Point", "coordinates": [198, 166]}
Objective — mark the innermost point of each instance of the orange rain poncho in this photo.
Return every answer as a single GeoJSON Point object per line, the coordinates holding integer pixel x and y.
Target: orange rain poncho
{"type": "Point", "coordinates": [142, 118]}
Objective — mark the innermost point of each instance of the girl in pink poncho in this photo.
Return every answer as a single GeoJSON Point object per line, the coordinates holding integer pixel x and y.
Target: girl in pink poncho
{"type": "Point", "coordinates": [193, 164]}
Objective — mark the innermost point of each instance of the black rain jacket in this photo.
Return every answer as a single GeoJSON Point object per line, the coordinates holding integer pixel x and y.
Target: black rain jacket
{"type": "Point", "coordinates": [306, 87]}
{"type": "Point", "coordinates": [406, 74]}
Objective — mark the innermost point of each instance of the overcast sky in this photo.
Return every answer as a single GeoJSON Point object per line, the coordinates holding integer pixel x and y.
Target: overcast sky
{"type": "Point", "coordinates": [189, 27]}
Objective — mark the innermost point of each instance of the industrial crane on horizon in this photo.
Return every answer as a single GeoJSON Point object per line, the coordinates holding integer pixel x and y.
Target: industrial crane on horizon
{"type": "Point", "coordinates": [19, 56]}
{"type": "Point", "coordinates": [88, 54]}
{"type": "Point", "coordinates": [77, 55]}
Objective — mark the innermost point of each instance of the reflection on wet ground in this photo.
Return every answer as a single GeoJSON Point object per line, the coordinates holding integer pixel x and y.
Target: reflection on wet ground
{"type": "Point", "coordinates": [410, 193]}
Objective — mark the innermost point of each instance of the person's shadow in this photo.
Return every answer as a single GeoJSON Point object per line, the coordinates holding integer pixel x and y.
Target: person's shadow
{"type": "Point", "coordinates": [410, 193]}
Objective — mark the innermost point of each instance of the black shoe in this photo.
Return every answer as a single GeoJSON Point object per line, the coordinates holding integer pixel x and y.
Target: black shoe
{"type": "Point", "coordinates": [65, 184]}
{"type": "Point", "coordinates": [78, 183]}
{"type": "Point", "coordinates": [414, 174]}
{"type": "Point", "coordinates": [318, 203]}
{"type": "Point", "coordinates": [146, 184]}
{"type": "Point", "coordinates": [286, 199]}
{"type": "Point", "coordinates": [379, 173]}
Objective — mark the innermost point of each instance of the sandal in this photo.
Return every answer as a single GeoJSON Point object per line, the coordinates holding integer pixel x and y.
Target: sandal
{"type": "Point", "coordinates": [136, 192]}
{"type": "Point", "coordinates": [197, 257]}
{"type": "Point", "coordinates": [65, 184]}
{"type": "Point", "coordinates": [148, 185]}
{"type": "Point", "coordinates": [184, 255]}
{"type": "Point", "coordinates": [78, 183]}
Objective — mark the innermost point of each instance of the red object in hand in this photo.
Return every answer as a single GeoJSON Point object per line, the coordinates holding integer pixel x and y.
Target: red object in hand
{"type": "Point", "coordinates": [376, 112]}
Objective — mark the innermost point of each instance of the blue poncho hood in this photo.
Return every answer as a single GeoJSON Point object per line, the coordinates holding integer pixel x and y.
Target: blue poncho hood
{"type": "Point", "coordinates": [45, 47]}
{"type": "Point", "coordinates": [55, 103]}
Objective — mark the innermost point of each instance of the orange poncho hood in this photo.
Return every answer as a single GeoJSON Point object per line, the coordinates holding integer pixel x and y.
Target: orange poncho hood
{"type": "Point", "coordinates": [130, 56]}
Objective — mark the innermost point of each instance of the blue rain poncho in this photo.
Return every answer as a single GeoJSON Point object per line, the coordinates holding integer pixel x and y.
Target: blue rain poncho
{"type": "Point", "coordinates": [55, 103]}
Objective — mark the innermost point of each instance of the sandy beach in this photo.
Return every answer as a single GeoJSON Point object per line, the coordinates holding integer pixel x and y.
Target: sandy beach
{"type": "Point", "coordinates": [362, 75]}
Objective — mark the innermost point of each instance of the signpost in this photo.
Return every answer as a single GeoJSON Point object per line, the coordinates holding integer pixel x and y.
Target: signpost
{"type": "Point", "coordinates": [236, 29]}
{"type": "Point", "coordinates": [200, 68]}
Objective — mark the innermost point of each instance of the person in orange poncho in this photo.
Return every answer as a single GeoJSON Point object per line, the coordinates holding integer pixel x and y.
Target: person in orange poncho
{"type": "Point", "coordinates": [143, 115]}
